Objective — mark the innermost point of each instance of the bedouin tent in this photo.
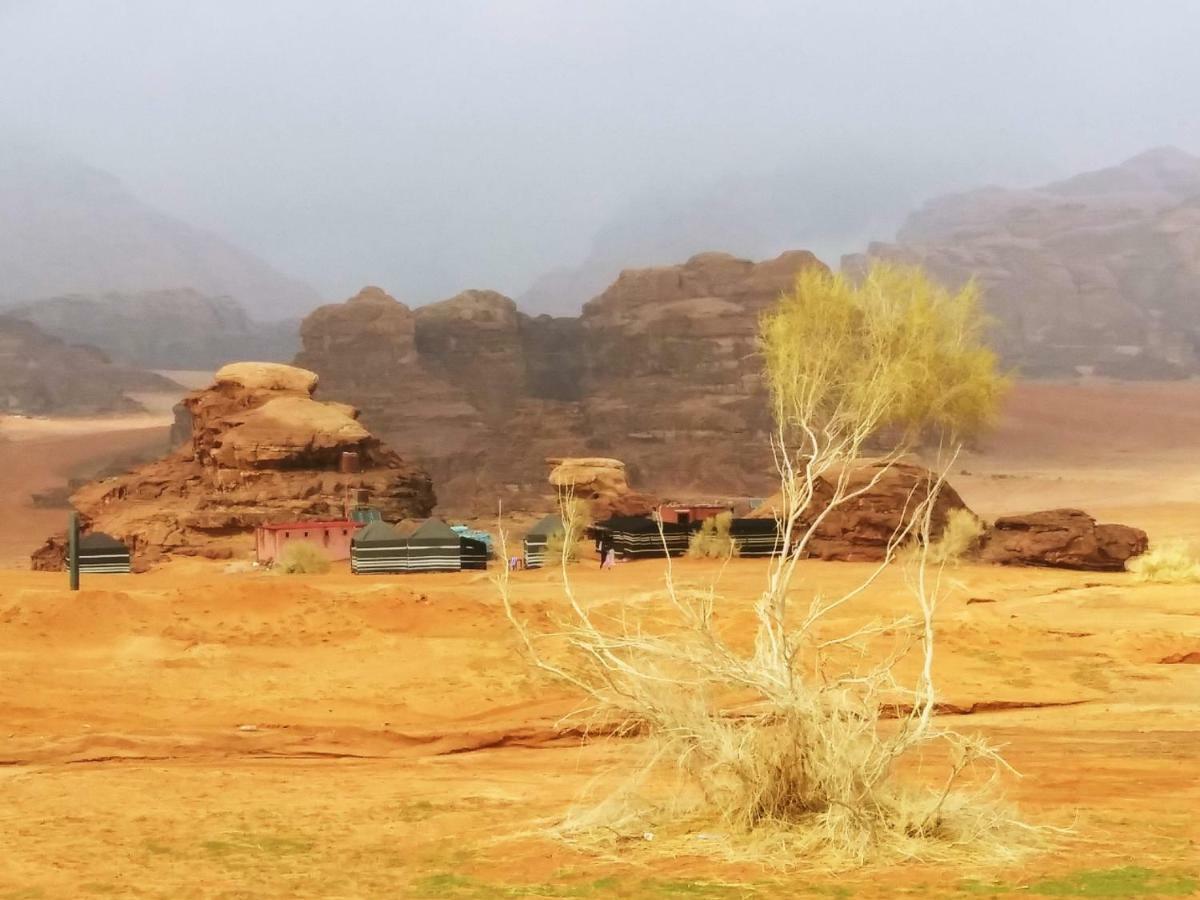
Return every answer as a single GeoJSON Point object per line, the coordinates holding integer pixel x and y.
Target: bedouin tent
{"type": "Point", "coordinates": [534, 545]}
{"type": "Point", "coordinates": [639, 537]}
{"type": "Point", "coordinates": [756, 537]}
{"type": "Point", "coordinates": [474, 552]}
{"type": "Point", "coordinates": [378, 547]}
{"type": "Point", "coordinates": [434, 547]}
{"type": "Point", "coordinates": [100, 553]}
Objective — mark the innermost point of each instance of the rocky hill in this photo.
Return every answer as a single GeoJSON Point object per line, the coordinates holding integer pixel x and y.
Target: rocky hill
{"type": "Point", "coordinates": [659, 370]}
{"type": "Point", "coordinates": [259, 449]}
{"type": "Point", "coordinates": [66, 228]}
{"type": "Point", "coordinates": [169, 329]}
{"type": "Point", "coordinates": [42, 375]}
{"type": "Point", "coordinates": [1100, 272]}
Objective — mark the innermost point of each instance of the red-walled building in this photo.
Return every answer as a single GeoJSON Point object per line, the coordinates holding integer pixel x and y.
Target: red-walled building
{"type": "Point", "coordinates": [332, 537]}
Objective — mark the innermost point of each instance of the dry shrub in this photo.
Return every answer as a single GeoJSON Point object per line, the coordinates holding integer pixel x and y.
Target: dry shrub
{"type": "Point", "coordinates": [713, 540]}
{"type": "Point", "coordinates": [302, 558]}
{"type": "Point", "coordinates": [559, 550]}
{"type": "Point", "coordinates": [958, 539]}
{"type": "Point", "coordinates": [1169, 562]}
{"type": "Point", "coordinates": [797, 739]}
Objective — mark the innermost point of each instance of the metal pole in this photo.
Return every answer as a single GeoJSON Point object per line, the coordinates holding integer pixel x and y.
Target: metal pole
{"type": "Point", "coordinates": [73, 550]}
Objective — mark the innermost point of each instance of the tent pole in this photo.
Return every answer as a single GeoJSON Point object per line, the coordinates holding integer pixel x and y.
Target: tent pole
{"type": "Point", "coordinates": [73, 550]}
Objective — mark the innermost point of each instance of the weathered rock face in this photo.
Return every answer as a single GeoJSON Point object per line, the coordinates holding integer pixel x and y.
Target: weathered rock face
{"type": "Point", "coordinates": [1095, 273]}
{"type": "Point", "coordinates": [261, 449]}
{"type": "Point", "coordinates": [40, 374]}
{"type": "Point", "coordinates": [601, 482]}
{"type": "Point", "coordinates": [860, 529]}
{"type": "Point", "coordinates": [1062, 538]}
{"type": "Point", "coordinates": [172, 329]}
{"type": "Point", "coordinates": [660, 371]}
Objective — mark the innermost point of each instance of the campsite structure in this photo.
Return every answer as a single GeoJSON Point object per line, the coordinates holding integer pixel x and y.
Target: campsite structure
{"type": "Point", "coordinates": [333, 537]}
{"type": "Point", "coordinates": [378, 548]}
{"type": "Point", "coordinates": [101, 553]}
{"type": "Point", "coordinates": [537, 538]}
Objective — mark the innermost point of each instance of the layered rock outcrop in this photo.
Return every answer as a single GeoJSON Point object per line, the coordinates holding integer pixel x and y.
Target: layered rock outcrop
{"type": "Point", "coordinates": [860, 528]}
{"type": "Point", "coordinates": [1062, 538]}
{"type": "Point", "coordinates": [259, 449]}
{"type": "Point", "coordinates": [600, 482]}
{"type": "Point", "coordinates": [1097, 273]}
{"type": "Point", "coordinates": [660, 370]}
{"type": "Point", "coordinates": [42, 375]}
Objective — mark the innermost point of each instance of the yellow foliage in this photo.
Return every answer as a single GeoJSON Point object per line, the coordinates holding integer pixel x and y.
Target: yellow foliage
{"type": "Point", "coordinates": [713, 540]}
{"type": "Point", "coordinates": [894, 351]}
{"type": "Point", "coordinates": [302, 558]}
{"type": "Point", "coordinates": [960, 536]}
{"type": "Point", "coordinates": [1171, 562]}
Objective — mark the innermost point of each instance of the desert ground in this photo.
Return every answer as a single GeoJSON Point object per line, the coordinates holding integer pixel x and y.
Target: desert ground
{"type": "Point", "coordinates": [204, 730]}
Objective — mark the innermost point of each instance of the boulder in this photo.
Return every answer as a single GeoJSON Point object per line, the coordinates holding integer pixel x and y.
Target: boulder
{"type": "Point", "coordinates": [261, 449]}
{"type": "Point", "coordinates": [859, 529]}
{"type": "Point", "coordinates": [1062, 538]}
{"type": "Point", "coordinates": [601, 482]}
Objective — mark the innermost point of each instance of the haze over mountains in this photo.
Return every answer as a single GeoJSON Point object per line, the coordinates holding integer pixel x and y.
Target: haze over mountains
{"type": "Point", "coordinates": [67, 228]}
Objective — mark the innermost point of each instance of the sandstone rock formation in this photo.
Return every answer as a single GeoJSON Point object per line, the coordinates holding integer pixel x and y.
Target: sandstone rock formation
{"type": "Point", "coordinates": [1095, 273]}
{"type": "Point", "coordinates": [260, 449]}
{"type": "Point", "coordinates": [859, 529]}
{"type": "Point", "coordinates": [601, 482]}
{"type": "Point", "coordinates": [660, 371]}
{"type": "Point", "coordinates": [166, 329]}
{"type": "Point", "coordinates": [42, 375]}
{"type": "Point", "coordinates": [1062, 538]}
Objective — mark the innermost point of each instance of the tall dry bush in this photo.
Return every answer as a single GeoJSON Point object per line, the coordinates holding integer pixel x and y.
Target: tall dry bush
{"type": "Point", "coordinates": [793, 740]}
{"type": "Point", "coordinates": [960, 537]}
{"type": "Point", "coordinates": [713, 540]}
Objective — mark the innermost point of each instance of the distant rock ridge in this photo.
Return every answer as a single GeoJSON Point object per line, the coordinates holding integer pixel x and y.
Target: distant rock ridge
{"type": "Point", "coordinates": [660, 370]}
{"type": "Point", "coordinates": [43, 375]}
{"type": "Point", "coordinates": [259, 449]}
{"type": "Point", "coordinates": [165, 329]}
{"type": "Point", "coordinates": [1099, 273]}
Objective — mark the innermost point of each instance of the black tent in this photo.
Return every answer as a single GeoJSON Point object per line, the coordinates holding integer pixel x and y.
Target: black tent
{"type": "Point", "coordinates": [756, 537]}
{"type": "Point", "coordinates": [638, 537]}
{"type": "Point", "coordinates": [434, 547]}
{"type": "Point", "coordinates": [534, 545]}
{"type": "Point", "coordinates": [474, 553]}
{"type": "Point", "coordinates": [100, 553]}
{"type": "Point", "coordinates": [378, 547]}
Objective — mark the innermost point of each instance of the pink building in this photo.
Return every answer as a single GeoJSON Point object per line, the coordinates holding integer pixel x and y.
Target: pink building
{"type": "Point", "coordinates": [332, 537]}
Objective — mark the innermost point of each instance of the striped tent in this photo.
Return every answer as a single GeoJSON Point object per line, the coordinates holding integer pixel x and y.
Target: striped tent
{"type": "Point", "coordinates": [378, 547]}
{"type": "Point", "coordinates": [434, 547]}
{"type": "Point", "coordinates": [100, 553]}
{"type": "Point", "coordinates": [639, 537]}
{"type": "Point", "coordinates": [534, 545]}
{"type": "Point", "coordinates": [475, 552]}
{"type": "Point", "coordinates": [756, 537]}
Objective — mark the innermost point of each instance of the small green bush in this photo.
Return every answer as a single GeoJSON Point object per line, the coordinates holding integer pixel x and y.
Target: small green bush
{"type": "Point", "coordinates": [713, 540]}
{"type": "Point", "coordinates": [1170, 562]}
{"type": "Point", "coordinates": [302, 558]}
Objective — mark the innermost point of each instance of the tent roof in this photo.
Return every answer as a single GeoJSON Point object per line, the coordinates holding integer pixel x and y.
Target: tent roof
{"type": "Point", "coordinates": [377, 532]}
{"type": "Point", "coordinates": [98, 540]}
{"type": "Point", "coordinates": [434, 528]}
{"type": "Point", "coordinates": [547, 526]}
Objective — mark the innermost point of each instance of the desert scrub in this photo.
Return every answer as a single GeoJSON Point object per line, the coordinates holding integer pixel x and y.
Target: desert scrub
{"type": "Point", "coordinates": [713, 540]}
{"type": "Point", "coordinates": [775, 738]}
{"type": "Point", "coordinates": [958, 539]}
{"type": "Point", "coordinates": [302, 558]}
{"type": "Point", "coordinates": [1169, 562]}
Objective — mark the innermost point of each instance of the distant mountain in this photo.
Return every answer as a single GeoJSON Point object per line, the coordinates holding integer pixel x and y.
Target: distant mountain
{"type": "Point", "coordinates": [1096, 273]}
{"type": "Point", "coordinates": [42, 375]}
{"type": "Point", "coordinates": [179, 329]}
{"type": "Point", "coordinates": [826, 209]}
{"type": "Point", "coordinates": [66, 228]}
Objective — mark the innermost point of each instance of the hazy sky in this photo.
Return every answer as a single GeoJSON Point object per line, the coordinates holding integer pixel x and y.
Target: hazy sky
{"type": "Point", "coordinates": [435, 145]}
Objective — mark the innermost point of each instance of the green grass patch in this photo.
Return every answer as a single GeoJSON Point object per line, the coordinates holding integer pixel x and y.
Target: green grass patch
{"type": "Point", "coordinates": [1127, 881]}
{"type": "Point", "coordinates": [461, 887]}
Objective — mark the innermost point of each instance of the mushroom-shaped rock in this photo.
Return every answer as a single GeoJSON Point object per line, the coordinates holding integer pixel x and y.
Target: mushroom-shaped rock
{"type": "Point", "coordinates": [268, 377]}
